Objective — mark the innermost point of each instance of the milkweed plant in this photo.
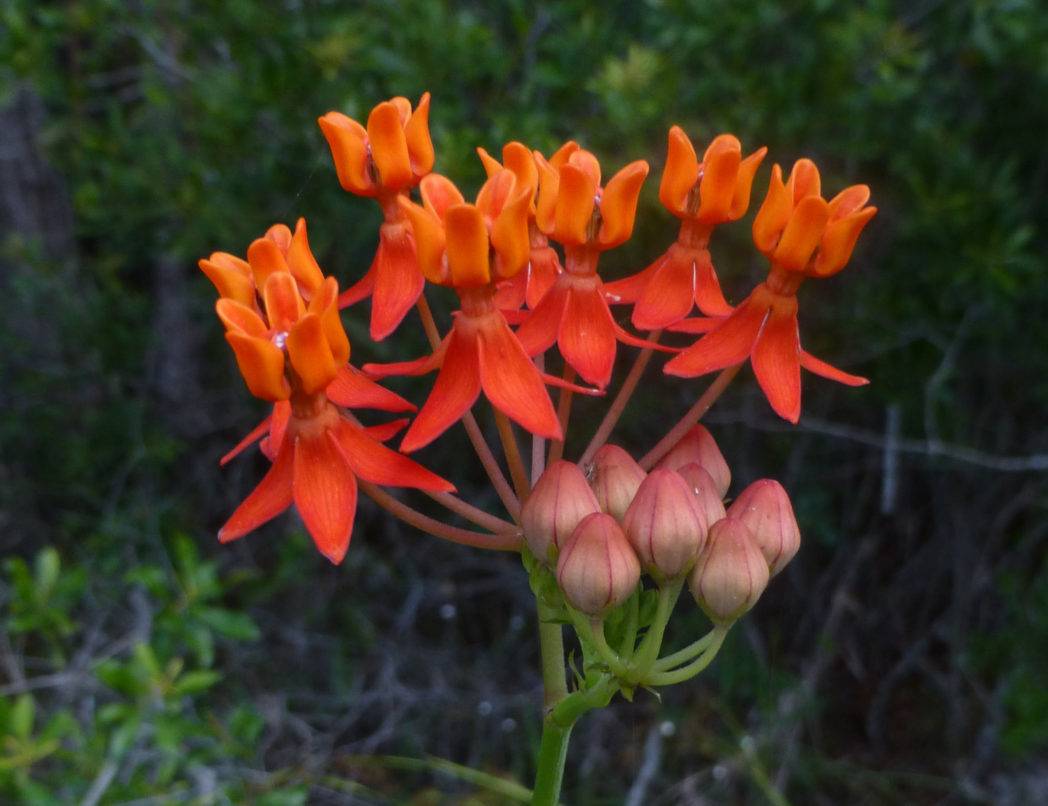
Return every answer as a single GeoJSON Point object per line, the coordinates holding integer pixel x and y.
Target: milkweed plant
{"type": "Point", "coordinates": [609, 540]}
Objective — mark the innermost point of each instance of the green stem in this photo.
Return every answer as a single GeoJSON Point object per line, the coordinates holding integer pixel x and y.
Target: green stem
{"type": "Point", "coordinates": [593, 631]}
{"type": "Point", "coordinates": [684, 655]}
{"type": "Point", "coordinates": [553, 749]}
{"type": "Point", "coordinates": [652, 641]}
{"type": "Point", "coordinates": [693, 668]}
{"type": "Point", "coordinates": [551, 652]}
{"type": "Point", "coordinates": [553, 752]}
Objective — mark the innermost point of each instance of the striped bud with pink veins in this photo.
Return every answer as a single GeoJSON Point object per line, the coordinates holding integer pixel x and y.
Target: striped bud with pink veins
{"type": "Point", "coordinates": [699, 446]}
{"type": "Point", "coordinates": [560, 499]}
{"type": "Point", "coordinates": [597, 569]}
{"type": "Point", "coordinates": [731, 573]}
{"type": "Point", "coordinates": [702, 485]}
{"type": "Point", "coordinates": [766, 511]}
{"type": "Point", "coordinates": [665, 525]}
{"type": "Point", "coordinates": [614, 476]}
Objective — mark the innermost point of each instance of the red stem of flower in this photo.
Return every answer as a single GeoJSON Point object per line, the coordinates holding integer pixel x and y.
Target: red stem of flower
{"type": "Point", "coordinates": [474, 514]}
{"type": "Point", "coordinates": [695, 413]}
{"type": "Point", "coordinates": [512, 453]}
{"type": "Point", "coordinates": [465, 537]}
{"type": "Point", "coordinates": [556, 448]}
{"type": "Point", "coordinates": [621, 399]}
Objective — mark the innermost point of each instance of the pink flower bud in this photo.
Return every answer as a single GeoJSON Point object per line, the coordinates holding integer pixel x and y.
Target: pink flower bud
{"type": "Point", "coordinates": [705, 490]}
{"type": "Point", "coordinates": [765, 509]}
{"type": "Point", "coordinates": [731, 573]}
{"type": "Point", "coordinates": [665, 525]}
{"type": "Point", "coordinates": [597, 569]}
{"type": "Point", "coordinates": [699, 446]}
{"type": "Point", "coordinates": [560, 499]}
{"type": "Point", "coordinates": [614, 477]}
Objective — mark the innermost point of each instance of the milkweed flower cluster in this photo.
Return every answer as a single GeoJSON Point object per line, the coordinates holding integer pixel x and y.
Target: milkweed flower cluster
{"type": "Point", "coordinates": [607, 533]}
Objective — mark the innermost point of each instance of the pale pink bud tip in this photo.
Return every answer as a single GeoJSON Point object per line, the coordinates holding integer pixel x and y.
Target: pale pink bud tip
{"type": "Point", "coordinates": [731, 574]}
{"type": "Point", "coordinates": [765, 509]}
{"type": "Point", "coordinates": [560, 499]}
{"type": "Point", "coordinates": [614, 476]}
{"type": "Point", "coordinates": [704, 487]}
{"type": "Point", "coordinates": [597, 569]}
{"type": "Point", "coordinates": [665, 525]}
{"type": "Point", "coordinates": [699, 446]}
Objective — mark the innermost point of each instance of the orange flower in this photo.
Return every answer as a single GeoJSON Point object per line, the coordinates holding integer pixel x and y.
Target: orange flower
{"type": "Point", "coordinates": [292, 350]}
{"type": "Point", "coordinates": [702, 195]}
{"type": "Point", "coordinates": [803, 235]}
{"type": "Point", "coordinates": [472, 247]}
{"type": "Point", "coordinates": [384, 161]}
{"type": "Point", "coordinates": [574, 210]}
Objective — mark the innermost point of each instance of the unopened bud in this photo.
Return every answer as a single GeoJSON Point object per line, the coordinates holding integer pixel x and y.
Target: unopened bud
{"type": "Point", "coordinates": [560, 499]}
{"type": "Point", "coordinates": [699, 446]}
{"type": "Point", "coordinates": [597, 569]}
{"type": "Point", "coordinates": [766, 511]}
{"type": "Point", "coordinates": [731, 573]}
{"type": "Point", "coordinates": [614, 477]}
{"type": "Point", "coordinates": [705, 490]}
{"type": "Point", "coordinates": [665, 525]}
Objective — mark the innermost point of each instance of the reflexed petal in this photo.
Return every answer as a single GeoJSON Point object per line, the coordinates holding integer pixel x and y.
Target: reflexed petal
{"type": "Point", "coordinates": [363, 288]}
{"type": "Point", "coordinates": [545, 268]}
{"type": "Point", "coordinates": [386, 431]}
{"type": "Point", "coordinates": [467, 247]}
{"type": "Point", "coordinates": [628, 289]}
{"type": "Point", "coordinates": [416, 132]}
{"type": "Point", "coordinates": [266, 259]}
{"type": "Point", "coordinates": [730, 342]}
{"type": "Point", "coordinates": [389, 147]}
{"type": "Point", "coordinates": [301, 261]}
{"type": "Point", "coordinates": [776, 360]}
{"type": "Point", "coordinates": [708, 294]}
{"type": "Point", "coordinates": [669, 294]}
{"type": "Point", "coordinates": [256, 433]}
{"type": "Point", "coordinates": [720, 171]}
{"type": "Point", "coordinates": [325, 492]}
{"type": "Point", "coordinates": [540, 329]}
{"type": "Point", "coordinates": [575, 203]}
{"type": "Point", "coordinates": [618, 204]}
{"type": "Point", "coordinates": [587, 335]}
{"type": "Point", "coordinates": [374, 462]}
{"type": "Point", "coordinates": [398, 281]}
{"type": "Point", "coordinates": [420, 366]}
{"type": "Point", "coordinates": [802, 234]}
{"type": "Point", "coordinates": [839, 241]}
{"type": "Point", "coordinates": [262, 364]}
{"type": "Point", "coordinates": [455, 391]}
{"type": "Point", "coordinates": [680, 174]}
{"type": "Point", "coordinates": [310, 354]}
{"type": "Point", "coordinates": [277, 429]}
{"type": "Point", "coordinates": [813, 364]}
{"type": "Point", "coordinates": [512, 382]}
{"type": "Point", "coordinates": [696, 325]}
{"type": "Point", "coordinates": [284, 304]}
{"type": "Point", "coordinates": [773, 215]}
{"type": "Point", "coordinates": [271, 497]}
{"type": "Point", "coordinates": [349, 150]}
{"type": "Point", "coordinates": [353, 390]}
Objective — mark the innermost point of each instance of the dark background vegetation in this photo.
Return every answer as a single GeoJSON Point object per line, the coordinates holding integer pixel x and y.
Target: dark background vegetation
{"type": "Point", "coordinates": [900, 659]}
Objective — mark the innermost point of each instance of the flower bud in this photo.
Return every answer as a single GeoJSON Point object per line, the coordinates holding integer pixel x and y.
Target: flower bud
{"type": "Point", "coordinates": [614, 477]}
{"type": "Point", "coordinates": [560, 499]}
{"type": "Point", "coordinates": [731, 573]}
{"type": "Point", "coordinates": [597, 569]}
{"type": "Point", "coordinates": [699, 446]}
{"type": "Point", "coordinates": [705, 490]}
{"type": "Point", "coordinates": [665, 525]}
{"type": "Point", "coordinates": [765, 509]}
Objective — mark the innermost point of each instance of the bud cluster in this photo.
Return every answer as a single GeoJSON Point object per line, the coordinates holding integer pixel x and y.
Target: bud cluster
{"type": "Point", "coordinates": [602, 529]}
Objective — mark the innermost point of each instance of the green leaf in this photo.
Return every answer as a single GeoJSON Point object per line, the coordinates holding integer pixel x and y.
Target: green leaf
{"type": "Point", "coordinates": [22, 716]}
{"type": "Point", "coordinates": [48, 565]}
{"type": "Point", "coordinates": [196, 681]}
{"type": "Point", "coordinates": [229, 623]}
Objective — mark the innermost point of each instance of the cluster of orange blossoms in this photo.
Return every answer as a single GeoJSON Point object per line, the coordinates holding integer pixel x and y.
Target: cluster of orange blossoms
{"type": "Point", "coordinates": [282, 314]}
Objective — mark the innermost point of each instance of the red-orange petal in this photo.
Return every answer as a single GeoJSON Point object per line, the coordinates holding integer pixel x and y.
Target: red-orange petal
{"type": "Point", "coordinates": [271, 497]}
{"type": "Point", "coordinates": [389, 147]}
{"type": "Point", "coordinates": [430, 241]}
{"type": "Point", "coordinates": [262, 364]}
{"type": "Point", "coordinates": [776, 360]}
{"type": "Point", "coordinates": [231, 276]}
{"type": "Point", "coordinates": [618, 204]}
{"type": "Point", "coordinates": [773, 214]}
{"type": "Point", "coordinates": [374, 462]}
{"type": "Point", "coordinates": [804, 180]}
{"type": "Point", "coordinates": [266, 259]}
{"type": "Point", "coordinates": [300, 260]}
{"type": "Point", "coordinates": [420, 145]}
{"type": "Point", "coordinates": [574, 208]}
{"type": "Point", "coordinates": [325, 305]}
{"type": "Point", "coordinates": [729, 343]}
{"type": "Point", "coordinates": [310, 354]}
{"type": "Point", "coordinates": [256, 434]}
{"type": "Point", "coordinates": [803, 234]}
{"type": "Point", "coordinates": [720, 169]}
{"type": "Point", "coordinates": [239, 318]}
{"type": "Point", "coordinates": [540, 329]}
{"type": "Point", "coordinates": [669, 294]}
{"type": "Point", "coordinates": [512, 382]}
{"type": "Point", "coordinates": [283, 301]}
{"type": "Point", "coordinates": [467, 247]}
{"type": "Point", "coordinates": [744, 183]}
{"type": "Point", "coordinates": [819, 367]}
{"type": "Point", "coordinates": [353, 390]}
{"type": "Point", "coordinates": [438, 194]}
{"type": "Point", "coordinates": [587, 335]}
{"type": "Point", "coordinates": [456, 389]}
{"type": "Point", "coordinates": [509, 236]}
{"type": "Point", "coordinates": [546, 199]}
{"type": "Point", "coordinates": [839, 241]}
{"type": "Point", "coordinates": [325, 492]}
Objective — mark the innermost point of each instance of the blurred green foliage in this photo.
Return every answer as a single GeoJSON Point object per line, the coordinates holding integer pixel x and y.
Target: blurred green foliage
{"type": "Point", "coordinates": [182, 127]}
